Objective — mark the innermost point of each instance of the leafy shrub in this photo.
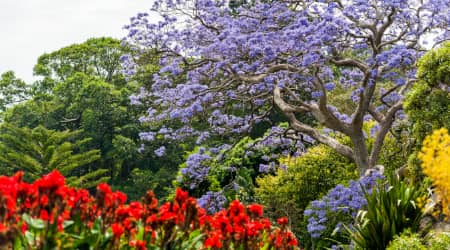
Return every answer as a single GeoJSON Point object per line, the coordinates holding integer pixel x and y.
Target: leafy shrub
{"type": "Point", "coordinates": [230, 171]}
{"type": "Point", "coordinates": [306, 178]}
{"type": "Point", "coordinates": [406, 241]}
{"type": "Point", "coordinates": [47, 214]}
{"type": "Point", "coordinates": [428, 101]}
{"type": "Point", "coordinates": [328, 216]}
{"type": "Point", "coordinates": [391, 208]}
{"type": "Point", "coordinates": [440, 241]}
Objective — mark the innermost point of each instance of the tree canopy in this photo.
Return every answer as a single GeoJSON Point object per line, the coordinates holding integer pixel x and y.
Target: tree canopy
{"type": "Point", "coordinates": [287, 56]}
{"type": "Point", "coordinates": [38, 151]}
{"type": "Point", "coordinates": [82, 88]}
{"type": "Point", "coordinates": [96, 57]}
{"type": "Point", "coordinates": [12, 90]}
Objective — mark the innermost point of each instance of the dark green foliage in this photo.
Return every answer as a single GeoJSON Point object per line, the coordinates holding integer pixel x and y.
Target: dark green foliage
{"type": "Point", "coordinates": [428, 102]}
{"type": "Point", "coordinates": [82, 89]}
{"type": "Point", "coordinates": [38, 151]}
{"type": "Point", "coordinates": [391, 209]}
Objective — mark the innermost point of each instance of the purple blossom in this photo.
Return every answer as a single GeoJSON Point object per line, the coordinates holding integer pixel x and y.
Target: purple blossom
{"type": "Point", "coordinates": [197, 168]}
{"type": "Point", "coordinates": [212, 201]}
{"type": "Point", "coordinates": [329, 86]}
{"type": "Point", "coordinates": [340, 202]}
{"type": "Point", "coordinates": [237, 61]}
{"type": "Point", "coordinates": [160, 151]}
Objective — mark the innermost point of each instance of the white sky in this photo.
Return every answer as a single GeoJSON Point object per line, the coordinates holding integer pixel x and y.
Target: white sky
{"type": "Point", "coordinates": [29, 28]}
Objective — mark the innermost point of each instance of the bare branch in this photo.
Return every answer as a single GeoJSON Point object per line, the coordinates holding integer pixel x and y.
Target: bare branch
{"type": "Point", "coordinates": [384, 27]}
{"type": "Point", "coordinates": [393, 41]}
{"type": "Point", "coordinates": [314, 133]}
{"type": "Point", "coordinates": [385, 125]}
{"type": "Point", "coordinates": [379, 117]}
{"type": "Point", "coordinates": [260, 77]}
{"type": "Point", "coordinates": [351, 63]}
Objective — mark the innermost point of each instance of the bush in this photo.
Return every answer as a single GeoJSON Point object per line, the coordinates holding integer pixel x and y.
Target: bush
{"type": "Point", "coordinates": [428, 101]}
{"type": "Point", "coordinates": [440, 241]}
{"type": "Point", "coordinates": [391, 209]}
{"type": "Point", "coordinates": [306, 178]}
{"type": "Point", "coordinates": [49, 215]}
{"type": "Point", "coordinates": [406, 241]}
{"type": "Point", "coordinates": [412, 241]}
{"type": "Point", "coordinates": [435, 157]}
{"type": "Point", "coordinates": [328, 216]}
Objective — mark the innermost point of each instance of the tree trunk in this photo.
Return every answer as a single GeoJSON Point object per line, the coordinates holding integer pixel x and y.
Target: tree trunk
{"type": "Point", "coordinates": [361, 153]}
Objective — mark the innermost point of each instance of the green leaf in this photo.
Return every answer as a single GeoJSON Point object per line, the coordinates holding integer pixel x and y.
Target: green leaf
{"type": "Point", "coordinates": [29, 236]}
{"type": "Point", "coordinates": [67, 223]}
{"type": "Point", "coordinates": [36, 224]}
{"type": "Point", "coordinates": [18, 244]}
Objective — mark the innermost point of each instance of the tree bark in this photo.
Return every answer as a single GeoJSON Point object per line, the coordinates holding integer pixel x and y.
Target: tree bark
{"type": "Point", "coordinates": [361, 154]}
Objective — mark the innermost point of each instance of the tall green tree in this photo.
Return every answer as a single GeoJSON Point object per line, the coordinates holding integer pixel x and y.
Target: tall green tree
{"type": "Point", "coordinates": [38, 151]}
{"type": "Point", "coordinates": [96, 57]}
{"type": "Point", "coordinates": [12, 90]}
{"type": "Point", "coordinates": [80, 91]}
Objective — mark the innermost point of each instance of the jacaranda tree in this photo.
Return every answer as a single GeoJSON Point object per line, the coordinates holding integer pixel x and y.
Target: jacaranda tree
{"type": "Point", "coordinates": [238, 66]}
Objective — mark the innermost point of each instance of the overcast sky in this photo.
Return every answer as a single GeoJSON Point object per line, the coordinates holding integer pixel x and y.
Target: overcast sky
{"type": "Point", "coordinates": [30, 28]}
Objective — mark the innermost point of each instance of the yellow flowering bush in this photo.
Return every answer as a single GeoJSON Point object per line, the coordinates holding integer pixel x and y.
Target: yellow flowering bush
{"type": "Point", "coordinates": [435, 157]}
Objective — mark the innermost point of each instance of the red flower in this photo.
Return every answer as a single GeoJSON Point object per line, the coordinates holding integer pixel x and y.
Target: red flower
{"type": "Point", "coordinates": [120, 197]}
{"type": "Point", "coordinates": [222, 222]}
{"type": "Point", "coordinates": [24, 227]}
{"type": "Point", "coordinates": [3, 228]}
{"type": "Point", "coordinates": [44, 200]}
{"type": "Point", "coordinates": [253, 228]}
{"type": "Point", "coordinates": [255, 209]}
{"type": "Point", "coordinates": [213, 240]}
{"type": "Point", "coordinates": [180, 195]}
{"type": "Point", "coordinates": [266, 223]}
{"type": "Point", "coordinates": [292, 241]}
{"type": "Point", "coordinates": [50, 200]}
{"type": "Point", "coordinates": [236, 208]}
{"type": "Point", "coordinates": [44, 215]}
{"type": "Point", "coordinates": [278, 240]}
{"type": "Point", "coordinates": [60, 223]}
{"type": "Point", "coordinates": [53, 180]}
{"type": "Point", "coordinates": [104, 188]}
{"type": "Point", "coordinates": [117, 230]}
{"type": "Point", "coordinates": [128, 224]}
{"type": "Point", "coordinates": [138, 244]}
{"type": "Point", "coordinates": [283, 221]}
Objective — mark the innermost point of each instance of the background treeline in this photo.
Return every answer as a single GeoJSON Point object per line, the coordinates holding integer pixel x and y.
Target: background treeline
{"type": "Point", "coordinates": [77, 117]}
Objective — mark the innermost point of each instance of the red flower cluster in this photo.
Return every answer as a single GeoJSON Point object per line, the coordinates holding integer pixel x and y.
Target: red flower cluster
{"type": "Point", "coordinates": [245, 226]}
{"type": "Point", "coordinates": [65, 212]}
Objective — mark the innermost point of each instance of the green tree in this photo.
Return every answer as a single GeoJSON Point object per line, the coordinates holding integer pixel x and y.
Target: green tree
{"type": "Point", "coordinates": [79, 91]}
{"type": "Point", "coordinates": [38, 151]}
{"type": "Point", "coordinates": [428, 102]}
{"type": "Point", "coordinates": [96, 57]}
{"type": "Point", "coordinates": [12, 90]}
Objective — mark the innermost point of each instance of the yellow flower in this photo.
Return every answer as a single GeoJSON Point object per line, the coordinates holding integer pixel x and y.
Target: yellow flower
{"type": "Point", "coordinates": [435, 157]}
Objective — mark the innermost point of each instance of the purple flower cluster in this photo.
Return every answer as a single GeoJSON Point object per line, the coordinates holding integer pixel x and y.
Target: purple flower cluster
{"type": "Point", "coordinates": [197, 169]}
{"type": "Point", "coordinates": [160, 151]}
{"type": "Point", "coordinates": [212, 201]}
{"type": "Point", "coordinates": [340, 202]}
{"type": "Point", "coordinates": [233, 62]}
